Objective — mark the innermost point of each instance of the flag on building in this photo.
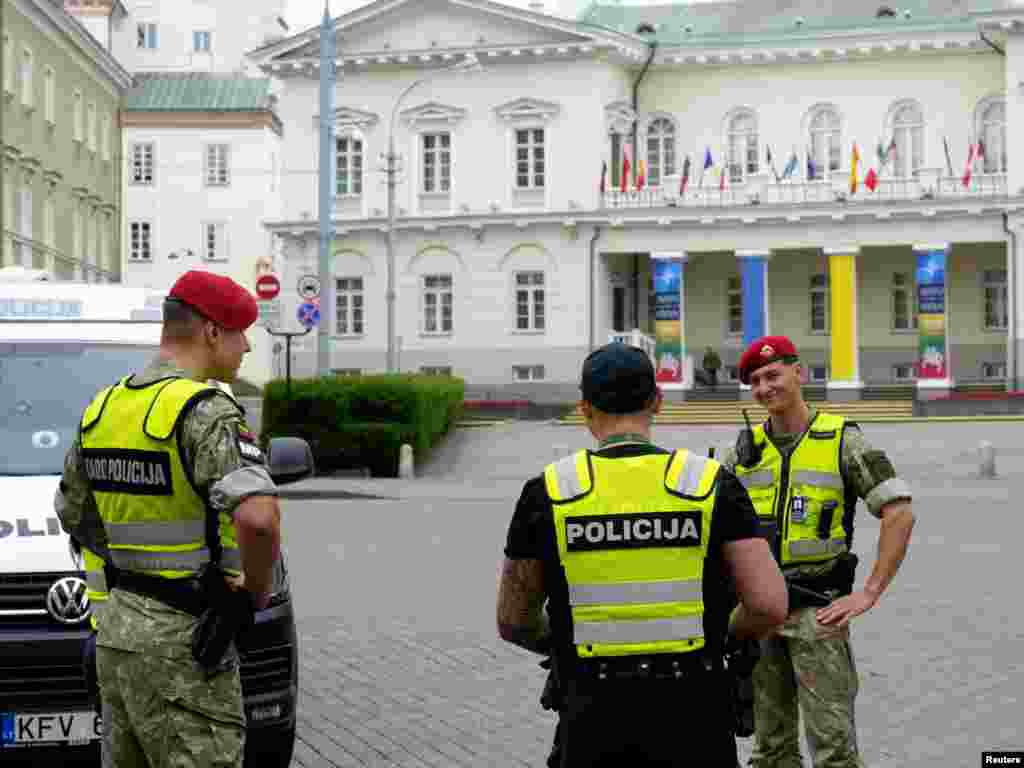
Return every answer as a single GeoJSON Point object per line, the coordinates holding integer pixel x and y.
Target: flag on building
{"type": "Point", "coordinates": [721, 178]}
{"type": "Point", "coordinates": [949, 162]}
{"type": "Point", "coordinates": [886, 152]}
{"type": "Point", "coordinates": [604, 176]}
{"type": "Point", "coordinates": [791, 166]}
{"type": "Point", "coordinates": [708, 163]}
{"type": "Point", "coordinates": [871, 180]}
{"type": "Point", "coordinates": [624, 181]}
{"type": "Point", "coordinates": [641, 176]}
{"type": "Point", "coordinates": [686, 176]}
{"type": "Point", "coordinates": [771, 162]}
{"type": "Point", "coordinates": [812, 169]}
{"type": "Point", "coordinates": [854, 163]}
{"type": "Point", "coordinates": [980, 154]}
{"type": "Point", "coordinates": [966, 178]}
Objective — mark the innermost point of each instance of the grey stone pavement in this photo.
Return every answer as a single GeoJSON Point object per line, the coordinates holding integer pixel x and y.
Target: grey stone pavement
{"type": "Point", "coordinates": [401, 665]}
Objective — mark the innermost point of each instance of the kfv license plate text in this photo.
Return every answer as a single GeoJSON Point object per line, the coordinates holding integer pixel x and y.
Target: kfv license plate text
{"type": "Point", "coordinates": [22, 730]}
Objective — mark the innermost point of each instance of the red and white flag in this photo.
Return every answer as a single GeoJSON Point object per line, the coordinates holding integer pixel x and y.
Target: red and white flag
{"type": "Point", "coordinates": [971, 155]}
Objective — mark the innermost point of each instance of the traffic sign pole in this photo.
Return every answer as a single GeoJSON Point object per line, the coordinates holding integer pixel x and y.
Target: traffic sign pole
{"type": "Point", "coordinates": [288, 336]}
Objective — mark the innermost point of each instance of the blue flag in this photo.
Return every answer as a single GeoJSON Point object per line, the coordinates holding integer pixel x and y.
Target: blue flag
{"type": "Point", "coordinates": [791, 166]}
{"type": "Point", "coordinates": [708, 161]}
{"type": "Point", "coordinates": [812, 169]}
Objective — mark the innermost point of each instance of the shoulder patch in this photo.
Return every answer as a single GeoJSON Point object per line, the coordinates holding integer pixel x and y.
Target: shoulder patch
{"type": "Point", "coordinates": [248, 447]}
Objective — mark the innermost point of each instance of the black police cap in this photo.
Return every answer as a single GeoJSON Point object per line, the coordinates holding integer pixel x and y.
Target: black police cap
{"type": "Point", "coordinates": [618, 378]}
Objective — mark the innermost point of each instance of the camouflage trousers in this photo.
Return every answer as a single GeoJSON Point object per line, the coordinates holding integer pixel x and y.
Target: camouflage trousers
{"type": "Point", "coordinates": [807, 671]}
{"type": "Point", "coordinates": [162, 713]}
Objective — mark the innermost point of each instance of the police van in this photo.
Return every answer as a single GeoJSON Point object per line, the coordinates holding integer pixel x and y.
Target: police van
{"type": "Point", "coordinates": [60, 343]}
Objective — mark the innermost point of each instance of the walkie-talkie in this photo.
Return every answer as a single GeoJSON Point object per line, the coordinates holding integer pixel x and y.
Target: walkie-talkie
{"type": "Point", "coordinates": [748, 453]}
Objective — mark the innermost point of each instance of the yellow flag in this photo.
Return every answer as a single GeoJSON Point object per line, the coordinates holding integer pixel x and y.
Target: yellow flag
{"type": "Point", "coordinates": [854, 162]}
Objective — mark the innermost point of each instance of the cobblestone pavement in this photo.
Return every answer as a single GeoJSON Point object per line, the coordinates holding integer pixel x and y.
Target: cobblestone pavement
{"type": "Point", "coordinates": [401, 665]}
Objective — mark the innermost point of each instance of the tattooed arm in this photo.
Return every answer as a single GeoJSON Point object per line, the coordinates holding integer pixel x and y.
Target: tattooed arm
{"type": "Point", "coordinates": [521, 618]}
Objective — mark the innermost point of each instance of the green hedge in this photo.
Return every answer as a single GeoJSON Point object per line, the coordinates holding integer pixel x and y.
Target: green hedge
{"type": "Point", "coordinates": [363, 421]}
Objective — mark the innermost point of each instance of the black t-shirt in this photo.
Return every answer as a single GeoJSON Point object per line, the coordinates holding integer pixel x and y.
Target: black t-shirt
{"type": "Point", "coordinates": [531, 535]}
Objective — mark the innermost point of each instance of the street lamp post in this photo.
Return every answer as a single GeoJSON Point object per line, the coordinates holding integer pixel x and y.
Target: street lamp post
{"type": "Point", "coordinates": [469, 64]}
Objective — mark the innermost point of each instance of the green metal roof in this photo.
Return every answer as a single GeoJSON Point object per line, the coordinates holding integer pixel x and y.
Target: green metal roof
{"type": "Point", "coordinates": [194, 92]}
{"type": "Point", "coordinates": [751, 22]}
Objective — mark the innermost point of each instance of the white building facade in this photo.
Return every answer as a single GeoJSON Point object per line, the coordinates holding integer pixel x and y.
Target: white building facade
{"type": "Point", "coordinates": [516, 254]}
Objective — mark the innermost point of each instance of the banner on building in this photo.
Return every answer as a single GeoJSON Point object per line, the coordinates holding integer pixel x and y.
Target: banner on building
{"type": "Point", "coordinates": [932, 361]}
{"type": "Point", "coordinates": [668, 321]}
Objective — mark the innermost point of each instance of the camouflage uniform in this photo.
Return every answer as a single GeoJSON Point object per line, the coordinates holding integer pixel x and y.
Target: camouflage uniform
{"type": "Point", "coordinates": [159, 709]}
{"type": "Point", "coordinates": [808, 668]}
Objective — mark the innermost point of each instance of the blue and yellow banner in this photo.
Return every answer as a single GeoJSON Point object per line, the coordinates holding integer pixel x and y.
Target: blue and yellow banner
{"type": "Point", "coordinates": [931, 312]}
{"type": "Point", "coordinates": [668, 321]}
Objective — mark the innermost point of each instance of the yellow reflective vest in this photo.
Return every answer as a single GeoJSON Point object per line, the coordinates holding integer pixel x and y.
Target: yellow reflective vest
{"type": "Point", "coordinates": [95, 584]}
{"type": "Point", "coordinates": [801, 503]}
{"type": "Point", "coordinates": [154, 518]}
{"type": "Point", "coordinates": [632, 535]}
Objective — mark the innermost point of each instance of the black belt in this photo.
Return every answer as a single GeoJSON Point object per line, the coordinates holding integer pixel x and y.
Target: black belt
{"type": "Point", "coordinates": [664, 666]}
{"type": "Point", "coordinates": [183, 594]}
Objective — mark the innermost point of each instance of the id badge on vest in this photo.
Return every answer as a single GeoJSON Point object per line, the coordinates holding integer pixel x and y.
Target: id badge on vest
{"type": "Point", "coordinates": [798, 509]}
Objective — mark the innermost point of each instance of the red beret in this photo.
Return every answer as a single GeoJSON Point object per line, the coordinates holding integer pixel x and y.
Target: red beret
{"type": "Point", "coordinates": [767, 349]}
{"type": "Point", "coordinates": [217, 298]}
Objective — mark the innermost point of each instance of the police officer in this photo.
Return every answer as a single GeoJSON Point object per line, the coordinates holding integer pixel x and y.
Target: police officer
{"type": "Point", "coordinates": [166, 462]}
{"type": "Point", "coordinates": [631, 546]}
{"type": "Point", "coordinates": [804, 471]}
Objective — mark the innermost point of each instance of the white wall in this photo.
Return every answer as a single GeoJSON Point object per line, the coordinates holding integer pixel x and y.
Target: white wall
{"type": "Point", "coordinates": [179, 203]}
{"type": "Point", "coordinates": [236, 28]}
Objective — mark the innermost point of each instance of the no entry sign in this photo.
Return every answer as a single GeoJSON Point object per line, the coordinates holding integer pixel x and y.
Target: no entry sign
{"type": "Point", "coordinates": [267, 287]}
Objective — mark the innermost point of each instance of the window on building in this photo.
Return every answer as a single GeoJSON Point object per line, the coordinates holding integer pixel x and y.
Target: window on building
{"type": "Point", "coordinates": [50, 96]}
{"type": "Point", "coordinates": [26, 78]}
{"type": "Point", "coordinates": [661, 150]}
{"type": "Point", "coordinates": [817, 373]}
{"type": "Point", "coordinates": [77, 238]}
{"type": "Point", "coordinates": [90, 125]}
{"type": "Point", "coordinates": [437, 303]}
{"type": "Point", "coordinates": [201, 41]}
{"type": "Point", "coordinates": [996, 317]}
{"type": "Point", "coordinates": [50, 221]}
{"type": "Point", "coordinates": [903, 372]}
{"type": "Point", "coordinates": [349, 164]}
{"type": "Point", "coordinates": [993, 133]}
{"type": "Point", "coordinates": [530, 166]}
{"type": "Point", "coordinates": [904, 310]}
{"type": "Point", "coordinates": [350, 373]}
{"type": "Point", "coordinates": [104, 261]}
{"type": "Point", "coordinates": [217, 171]}
{"type": "Point", "coordinates": [908, 131]}
{"type": "Point", "coordinates": [25, 225]}
{"type": "Point", "coordinates": [734, 306]}
{"type": "Point", "coordinates": [143, 154]}
{"type": "Point", "coordinates": [215, 241]}
{"type": "Point", "coordinates": [436, 370]}
{"type": "Point", "coordinates": [993, 371]}
{"type": "Point", "coordinates": [78, 116]}
{"type": "Point", "coordinates": [8, 64]}
{"type": "Point", "coordinates": [105, 136]}
{"type": "Point", "coordinates": [825, 147]}
{"type": "Point", "coordinates": [140, 241]}
{"type": "Point", "coordinates": [743, 146]}
{"type": "Point", "coordinates": [819, 303]}
{"type": "Point", "coordinates": [530, 307]}
{"type": "Point", "coordinates": [348, 299]}
{"type": "Point", "coordinates": [146, 36]}
{"type": "Point", "coordinates": [437, 162]}
{"type": "Point", "coordinates": [528, 372]}
{"type": "Point", "coordinates": [90, 238]}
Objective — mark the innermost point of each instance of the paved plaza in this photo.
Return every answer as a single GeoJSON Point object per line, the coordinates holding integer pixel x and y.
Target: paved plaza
{"type": "Point", "coordinates": [401, 664]}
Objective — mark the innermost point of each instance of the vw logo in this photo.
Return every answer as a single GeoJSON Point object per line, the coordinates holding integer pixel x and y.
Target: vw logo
{"type": "Point", "coordinates": [67, 601]}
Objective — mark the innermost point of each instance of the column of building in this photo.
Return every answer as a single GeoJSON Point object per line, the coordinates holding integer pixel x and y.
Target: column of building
{"type": "Point", "coordinates": [844, 381]}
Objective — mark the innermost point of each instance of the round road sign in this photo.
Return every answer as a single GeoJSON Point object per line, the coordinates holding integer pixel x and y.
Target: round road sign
{"type": "Point", "coordinates": [309, 287]}
{"type": "Point", "coordinates": [308, 314]}
{"type": "Point", "coordinates": [267, 287]}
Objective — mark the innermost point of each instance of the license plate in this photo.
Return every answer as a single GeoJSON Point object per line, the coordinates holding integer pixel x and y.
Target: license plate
{"type": "Point", "coordinates": [22, 730]}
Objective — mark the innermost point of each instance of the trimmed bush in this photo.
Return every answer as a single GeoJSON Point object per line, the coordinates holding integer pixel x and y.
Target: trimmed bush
{"type": "Point", "coordinates": [363, 421]}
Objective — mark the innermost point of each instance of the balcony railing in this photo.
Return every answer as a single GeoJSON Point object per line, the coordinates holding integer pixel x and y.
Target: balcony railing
{"type": "Point", "coordinates": [925, 185]}
{"type": "Point", "coordinates": [22, 251]}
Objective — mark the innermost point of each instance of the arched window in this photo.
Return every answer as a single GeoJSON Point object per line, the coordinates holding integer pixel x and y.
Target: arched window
{"type": "Point", "coordinates": [908, 132]}
{"type": "Point", "coordinates": [742, 146]}
{"type": "Point", "coordinates": [661, 150]}
{"type": "Point", "coordinates": [825, 147]}
{"type": "Point", "coordinates": [993, 135]}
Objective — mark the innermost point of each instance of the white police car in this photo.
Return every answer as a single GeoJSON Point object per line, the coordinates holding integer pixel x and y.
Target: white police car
{"type": "Point", "coordinates": [60, 343]}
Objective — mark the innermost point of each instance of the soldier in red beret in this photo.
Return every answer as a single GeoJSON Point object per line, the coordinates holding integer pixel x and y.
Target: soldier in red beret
{"type": "Point", "coordinates": [157, 452]}
{"type": "Point", "coordinates": [804, 471]}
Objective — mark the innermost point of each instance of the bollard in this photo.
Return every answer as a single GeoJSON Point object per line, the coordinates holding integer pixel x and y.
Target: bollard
{"type": "Point", "coordinates": [987, 466]}
{"type": "Point", "coordinates": [405, 463]}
